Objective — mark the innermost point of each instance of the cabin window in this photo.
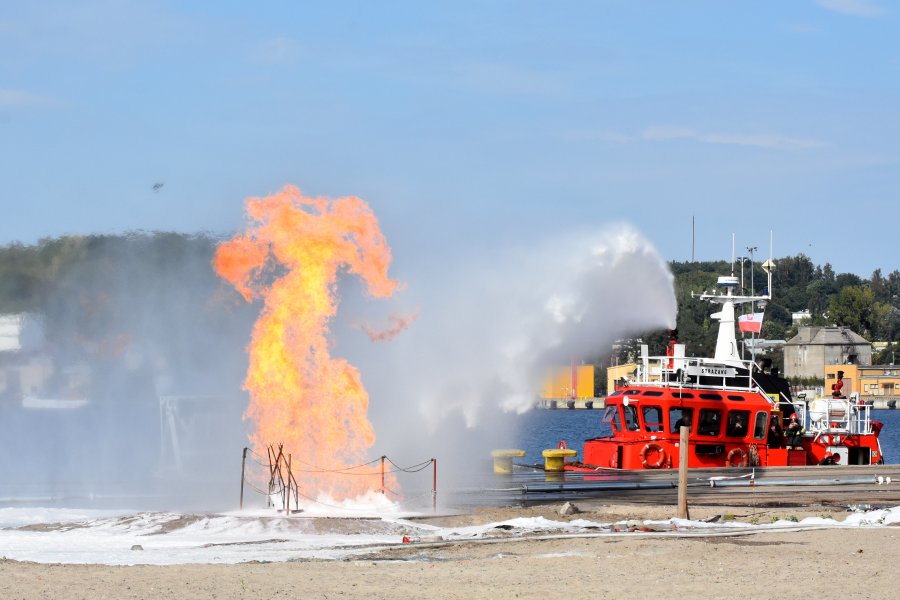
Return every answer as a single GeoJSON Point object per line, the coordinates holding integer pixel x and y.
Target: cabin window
{"type": "Point", "coordinates": [653, 393]}
{"type": "Point", "coordinates": [710, 422]}
{"type": "Point", "coordinates": [631, 417]}
{"type": "Point", "coordinates": [652, 418]}
{"type": "Point", "coordinates": [738, 420]}
{"type": "Point", "coordinates": [735, 398]}
{"type": "Point", "coordinates": [679, 417]}
{"type": "Point", "coordinates": [683, 395]}
{"type": "Point", "coordinates": [611, 416]}
{"type": "Point", "coordinates": [759, 428]}
{"type": "Point", "coordinates": [711, 396]}
{"type": "Point", "coordinates": [617, 393]}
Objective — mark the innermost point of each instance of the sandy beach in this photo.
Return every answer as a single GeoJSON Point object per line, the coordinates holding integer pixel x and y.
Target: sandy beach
{"type": "Point", "coordinates": [826, 563]}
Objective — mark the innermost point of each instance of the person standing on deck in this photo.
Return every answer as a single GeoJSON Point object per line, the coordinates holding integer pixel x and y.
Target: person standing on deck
{"type": "Point", "coordinates": [793, 433]}
{"type": "Point", "coordinates": [776, 434]}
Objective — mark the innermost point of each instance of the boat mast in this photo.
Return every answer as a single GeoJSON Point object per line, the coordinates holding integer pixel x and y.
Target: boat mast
{"type": "Point", "coordinates": [726, 343]}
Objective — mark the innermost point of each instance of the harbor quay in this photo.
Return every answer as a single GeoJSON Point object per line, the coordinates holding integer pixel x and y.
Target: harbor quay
{"type": "Point", "coordinates": [572, 403]}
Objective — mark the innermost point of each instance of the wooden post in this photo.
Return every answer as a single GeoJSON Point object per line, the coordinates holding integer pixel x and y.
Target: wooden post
{"type": "Point", "coordinates": [683, 474]}
{"type": "Point", "coordinates": [382, 474]}
{"type": "Point", "coordinates": [243, 464]}
{"type": "Point", "coordinates": [287, 496]}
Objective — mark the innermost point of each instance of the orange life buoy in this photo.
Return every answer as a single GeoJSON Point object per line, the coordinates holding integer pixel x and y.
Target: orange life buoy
{"type": "Point", "coordinates": [660, 451]}
{"type": "Point", "coordinates": [742, 458]}
{"type": "Point", "coordinates": [561, 445]}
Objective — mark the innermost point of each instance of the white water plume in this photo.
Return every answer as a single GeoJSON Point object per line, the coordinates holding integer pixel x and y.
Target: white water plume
{"type": "Point", "coordinates": [490, 328]}
{"type": "Point", "coordinates": [489, 331]}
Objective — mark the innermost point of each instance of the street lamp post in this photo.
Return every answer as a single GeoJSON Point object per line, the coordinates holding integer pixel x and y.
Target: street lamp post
{"type": "Point", "coordinates": [750, 251]}
{"type": "Point", "coordinates": [742, 259]}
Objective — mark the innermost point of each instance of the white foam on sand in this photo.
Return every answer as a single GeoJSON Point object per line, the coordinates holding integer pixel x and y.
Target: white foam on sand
{"type": "Point", "coordinates": [57, 535]}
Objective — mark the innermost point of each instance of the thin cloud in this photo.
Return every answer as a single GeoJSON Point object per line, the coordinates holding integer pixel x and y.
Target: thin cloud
{"type": "Point", "coordinates": [758, 140]}
{"type": "Point", "coordinates": [600, 136]}
{"type": "Point", "coordinates": [13, 99]}
{"type": "Point", "coordinates": [661, 134]}
{"type": "Point", "coordinates": [856, 8]}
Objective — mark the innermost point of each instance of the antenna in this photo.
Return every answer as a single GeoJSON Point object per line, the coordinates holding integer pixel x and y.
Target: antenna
{"type": "Point", "coordinates": [693, 237]}
{"type": "Point", "coordinates": [732, 253]}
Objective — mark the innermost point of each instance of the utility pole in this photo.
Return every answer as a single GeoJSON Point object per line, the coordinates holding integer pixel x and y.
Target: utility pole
{"type": "Point", "coordinates": [750, 251]}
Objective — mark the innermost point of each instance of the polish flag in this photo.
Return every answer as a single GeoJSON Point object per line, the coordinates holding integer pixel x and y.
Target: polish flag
{"type": "Point", "coordinates": [751, 322]}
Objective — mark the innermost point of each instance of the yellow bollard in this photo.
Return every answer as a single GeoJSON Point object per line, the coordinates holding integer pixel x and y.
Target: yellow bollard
{"type": "Point", "coordinates": [503, 459]}
{"type": "Point", "coordinates": [555, 458]}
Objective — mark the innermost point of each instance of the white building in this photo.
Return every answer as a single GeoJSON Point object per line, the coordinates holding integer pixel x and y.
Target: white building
{"type": "Point", "coordinates": [20, 332]}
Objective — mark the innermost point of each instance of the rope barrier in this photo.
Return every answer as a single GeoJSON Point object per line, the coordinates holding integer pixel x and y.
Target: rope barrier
{"type": "Point", "coordinates": [413, 469]}
{"type": "Point", "coordinates": [318, 469]}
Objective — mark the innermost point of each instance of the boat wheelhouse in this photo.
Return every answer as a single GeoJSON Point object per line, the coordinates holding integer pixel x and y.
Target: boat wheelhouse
{"type": "Point", "coordinates": [736, 413]}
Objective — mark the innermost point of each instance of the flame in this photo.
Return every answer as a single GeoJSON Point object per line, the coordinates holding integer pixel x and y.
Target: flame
{"type": "Point", "coordinates": [398, 324]}
{"type": "Point", "coordinates": [290, 256]}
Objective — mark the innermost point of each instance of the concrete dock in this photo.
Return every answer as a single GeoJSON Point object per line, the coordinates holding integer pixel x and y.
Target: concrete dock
{"type": "Point", "coordinates": [877, 485]}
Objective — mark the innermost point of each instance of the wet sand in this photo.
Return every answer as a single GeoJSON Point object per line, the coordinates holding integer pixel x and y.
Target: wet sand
{"type": "Point", "coordinates": [830, 563]}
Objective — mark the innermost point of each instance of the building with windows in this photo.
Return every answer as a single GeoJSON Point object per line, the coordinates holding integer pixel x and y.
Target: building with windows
{"type": "Point", "coordinates": [869, 381]}
{"type": "Point", "coordinates": [813, 348]}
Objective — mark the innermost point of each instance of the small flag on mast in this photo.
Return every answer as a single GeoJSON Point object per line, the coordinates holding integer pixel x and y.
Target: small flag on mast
{"type": "Point", "coordinates": [750, 323]}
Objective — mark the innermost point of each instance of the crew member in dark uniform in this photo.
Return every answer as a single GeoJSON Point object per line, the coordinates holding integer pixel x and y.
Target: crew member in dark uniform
{"type": "Point", "coordinates": [793, 432]}
{"type": "Point", "coordinates": [776, 433]}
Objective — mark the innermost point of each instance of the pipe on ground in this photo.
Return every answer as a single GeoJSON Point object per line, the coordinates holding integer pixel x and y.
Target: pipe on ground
{"type": "Point", "coordinates": [599, 486]}
{"type": "Point", "coordinates": [796, 482]}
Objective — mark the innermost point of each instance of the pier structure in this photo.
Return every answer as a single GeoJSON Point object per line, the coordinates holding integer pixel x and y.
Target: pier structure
{"type": "Point", "coordinates": [572, 403]}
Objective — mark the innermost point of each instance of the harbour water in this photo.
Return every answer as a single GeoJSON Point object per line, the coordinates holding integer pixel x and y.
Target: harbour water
{"type": "Point", "coordinates": [542, 429]}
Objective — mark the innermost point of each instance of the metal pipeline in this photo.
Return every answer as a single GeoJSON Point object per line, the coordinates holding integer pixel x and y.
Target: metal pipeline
{"type": "Point", "coordinates": [597, 486]}
{"type": "Point", "coordinates": [806, 482]}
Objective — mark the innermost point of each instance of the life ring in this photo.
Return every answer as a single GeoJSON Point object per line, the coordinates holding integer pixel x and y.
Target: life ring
{"type": "Point", "coordinates": [660, 451]}
{"type": "Point", "coordinates": [742, 458]}
{"type": "Point", "coordinates": [561, 445]}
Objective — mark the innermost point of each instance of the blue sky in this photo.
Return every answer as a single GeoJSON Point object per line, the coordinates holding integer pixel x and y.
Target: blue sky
{"type": "Point", "coordinates": [463, 124]}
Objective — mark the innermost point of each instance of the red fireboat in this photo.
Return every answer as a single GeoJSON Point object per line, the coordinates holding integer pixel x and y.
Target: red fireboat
{"type": "Point", "coordinates": [738, 414]}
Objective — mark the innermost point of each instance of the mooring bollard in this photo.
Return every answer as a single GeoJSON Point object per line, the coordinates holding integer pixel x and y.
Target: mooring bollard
{"type": "Point", "coordinates": [555, 458]}
{"type": "Point", "coordinates": [503, 459]}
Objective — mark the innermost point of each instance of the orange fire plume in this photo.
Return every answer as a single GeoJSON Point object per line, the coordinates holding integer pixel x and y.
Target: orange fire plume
{"type": "Point", "coordinates": [290, 257]}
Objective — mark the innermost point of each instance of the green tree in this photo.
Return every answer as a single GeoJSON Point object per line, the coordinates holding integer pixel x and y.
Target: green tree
{"type": "Point", "coordinates": [855, 307]}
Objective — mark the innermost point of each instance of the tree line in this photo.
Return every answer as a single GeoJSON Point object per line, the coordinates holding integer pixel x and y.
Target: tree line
{"type": "Point", "coordinates": [870, 307]}
{"type": "Point", "coordinates": [72, 280]}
